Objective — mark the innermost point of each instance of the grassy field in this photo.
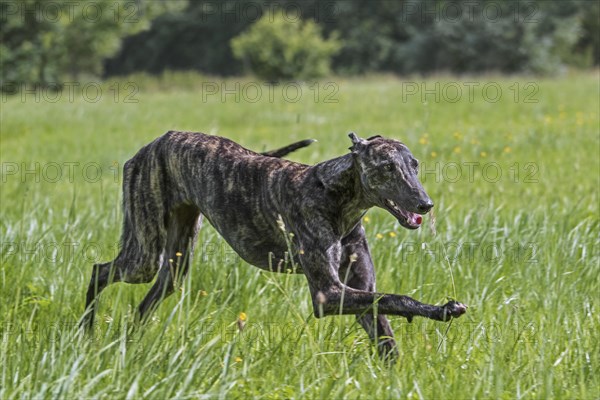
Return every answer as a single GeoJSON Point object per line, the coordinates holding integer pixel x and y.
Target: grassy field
{"type": "Point", "coordinates": [512, 164]}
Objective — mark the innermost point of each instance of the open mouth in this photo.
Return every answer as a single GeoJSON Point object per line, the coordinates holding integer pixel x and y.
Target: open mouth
{"type": "Point", "coordinates": [406, 218]}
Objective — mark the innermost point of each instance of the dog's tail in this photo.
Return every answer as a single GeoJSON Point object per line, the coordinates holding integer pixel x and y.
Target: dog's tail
{"type": "Point", "coordinates": [284, 151]}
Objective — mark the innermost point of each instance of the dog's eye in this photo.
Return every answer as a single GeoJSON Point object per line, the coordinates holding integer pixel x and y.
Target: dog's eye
{"type": "Point", "coordinates": [389, 167]}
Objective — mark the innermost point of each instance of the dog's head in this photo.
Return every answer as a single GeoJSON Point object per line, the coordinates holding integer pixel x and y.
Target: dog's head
{"type": "Point", "coordinates": [388, 174]}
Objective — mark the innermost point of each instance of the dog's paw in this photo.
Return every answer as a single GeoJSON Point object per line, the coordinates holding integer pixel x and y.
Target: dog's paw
{"type": "Point", "coordinates": [388, 351]}
{"type": "Point", "coordinates": [453, 309]}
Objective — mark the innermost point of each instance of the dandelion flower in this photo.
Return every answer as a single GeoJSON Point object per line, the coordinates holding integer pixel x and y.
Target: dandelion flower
{"type": "Point", "coordinates": [366, 219]}
{"type": "Point", "coordinates": [379, 236]}
{"type": "Point", "coordinates": [433, 154]}
{"type": "Point", "coordinates": [241, 321]}
{"type": "Point", "coordinates": [238, 359]}
{"type": "Point", "coordinates": [483, 154]}
{"type": "Point", "coordinates": [507, 149]}
{"type": "Point", "coordinates": [178, 254]}
{"type": "Point", "coordinates": [457, 150]}
{"type": "Point", "coordinates": [392, 234]}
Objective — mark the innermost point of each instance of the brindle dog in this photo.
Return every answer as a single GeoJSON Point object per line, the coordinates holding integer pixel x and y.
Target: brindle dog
{"type": "Point", "coordinates": [171, 183]}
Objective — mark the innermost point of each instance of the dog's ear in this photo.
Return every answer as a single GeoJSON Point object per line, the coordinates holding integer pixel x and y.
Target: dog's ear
{"type": "Point", "coordinates": [357, 143]}
{"type": "Point", "coordinates": [374, 137]}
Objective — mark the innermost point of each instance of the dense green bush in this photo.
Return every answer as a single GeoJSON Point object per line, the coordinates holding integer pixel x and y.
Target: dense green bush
{"type": "Point", "coordinates": [280, 48]}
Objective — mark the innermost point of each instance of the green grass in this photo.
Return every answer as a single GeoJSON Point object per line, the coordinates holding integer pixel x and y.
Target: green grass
{"type": "Point", "coordinates": [523, 248]}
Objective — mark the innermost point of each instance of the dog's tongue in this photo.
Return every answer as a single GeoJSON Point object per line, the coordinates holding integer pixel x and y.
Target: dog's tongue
{"type": "Point", "coordinates": [416, 219]}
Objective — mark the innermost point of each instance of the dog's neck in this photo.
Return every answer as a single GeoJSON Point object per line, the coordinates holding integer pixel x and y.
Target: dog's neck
{"type": "Point", "coordinates": [342, 181]}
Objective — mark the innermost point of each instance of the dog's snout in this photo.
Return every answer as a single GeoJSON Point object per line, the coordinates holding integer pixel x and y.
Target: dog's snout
{"type": "Point", "coordinates": [425, 206]}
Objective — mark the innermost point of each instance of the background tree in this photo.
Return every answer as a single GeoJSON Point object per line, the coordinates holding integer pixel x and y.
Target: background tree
{"type": "Point", "coordinates": [280, 48]}
{"type": "Point", "coordinates": [398, 36]}
{"type": "Point", "coordinates": [47, 42]}
{"type": "Point", "coordinates": [196, 38]}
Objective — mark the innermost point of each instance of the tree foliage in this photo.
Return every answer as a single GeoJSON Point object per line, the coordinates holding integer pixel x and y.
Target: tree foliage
{"type": "Point", "coordinates": [399, 36]}
{"type": "Point", "coordinates": [281, 48]}
{"type": "Point", "coordinates": [196, 38]}
{"type": "Point", "coordinates": [47, 42]}
{"type": "Point", "coordinates": [425, 36]}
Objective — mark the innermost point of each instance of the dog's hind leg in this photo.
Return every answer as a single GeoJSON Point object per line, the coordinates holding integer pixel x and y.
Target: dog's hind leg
{"type": "Point", "coordinates": [182, 230]}
{"type": "Point", "coordinates": [357, 271]}
{"type": "Point", "coordinates": [101, 278]}
{"type": "Point", "coordinates": [136, 263]}
{"type": "Point", "coordinates": [146, 205]}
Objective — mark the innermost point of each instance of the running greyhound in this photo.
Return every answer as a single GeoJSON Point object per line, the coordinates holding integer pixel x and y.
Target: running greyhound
{"type": "Point", "coordinates": [181, 177]}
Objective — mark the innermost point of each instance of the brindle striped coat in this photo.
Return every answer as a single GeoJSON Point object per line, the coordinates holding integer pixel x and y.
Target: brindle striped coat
{"type": "Point", "coordinates": [181, 177]}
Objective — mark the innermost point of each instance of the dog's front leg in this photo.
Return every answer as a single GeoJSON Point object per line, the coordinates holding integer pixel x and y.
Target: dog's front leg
{"type": "Point", "coordinates": [358, 272]}
{"type": "Point", "coordinates": [320, 261]}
